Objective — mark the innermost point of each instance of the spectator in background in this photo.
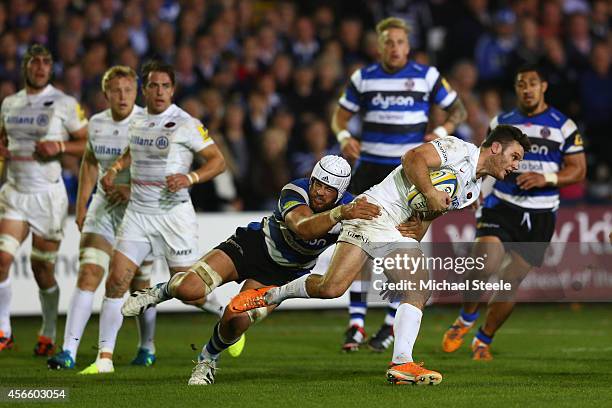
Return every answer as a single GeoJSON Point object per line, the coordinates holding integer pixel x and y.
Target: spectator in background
{"type": "Point", "coordinates": [350, 35]}
{"type": "Point", "coordinates": [596, 102]}
{"type": "Point", "coordinates": [137, 33]}
{"type": "Point", "coordinates": [316, 139]}
{"type": "Point", "coordinates": [529, 49]}
{"type": "Point", "coordinates": [561, 77]}
{"type": "Point", "coordinates": [493, 51]}
{"type": "Point", "coordinates": [270, 172]}
{"type": "Point", "coordinates": [72, 83]}
{"type": "Point", "coordinates": [206, 58]}
{"type": "Point", "coordinates": [491, 102]}
{"type": "Point", "coordinates": [10, 68]}
{"type": "Point", "coordinates": [302, 99]}
{"type": "Point", "coordinates": [600, 19]}
{"type": "Point", "coordinates": [465, 31]}
{"type": "Point", "coordinates": [304, 46]}
{"type": "Point", "coordinates": [187, 80]}
{"type": "Point", "coordinates": [281, 69]}
{"type": "Point", "coordinates": [463, 78]}
{"type": "Point", "coordinates": [551, 19]}
{"type": "Point", "coordinates": [578, 42]}
{"type": "Point", "coordinates": [163, 42]}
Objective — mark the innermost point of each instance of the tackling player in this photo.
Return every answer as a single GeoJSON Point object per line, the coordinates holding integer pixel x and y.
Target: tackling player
{"type": "Point", "coordinates": [522, 208]}
{"type": "Point", "coordinates": [107, 140]}
{"type": "Point", "coordinates": [363, 240]}
{"type": "Point", "coordinates": [37, 125]}
{"type": "Point", "coordinates": [160, 218]}
{"type": "Point", "coordinates": [276, 250]}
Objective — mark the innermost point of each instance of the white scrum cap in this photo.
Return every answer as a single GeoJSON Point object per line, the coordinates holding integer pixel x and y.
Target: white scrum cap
{"type": "Point", "coordinates": [333, 171]}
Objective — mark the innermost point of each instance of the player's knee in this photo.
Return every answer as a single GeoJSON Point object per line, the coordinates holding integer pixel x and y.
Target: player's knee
{"type": "Point", "coordinates": [93, 258]}
{"type": "Point", "coordinates": [6, 260]}
{"type": "Point", "coordinates": [208, 276]}
{"type": "Point", "coordinates": [42, 258]}
{"type": "Point", "coordinates": [90, 277]}
{"type": "Point", "coordinates": [329, 290]}
{"type": "Point", "coordinates": [117, 284]}
{"type": "Point", "coordinates": [8, 248]}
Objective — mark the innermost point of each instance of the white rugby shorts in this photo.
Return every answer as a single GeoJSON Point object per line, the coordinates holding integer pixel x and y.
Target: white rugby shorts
{"type": "Point", "coordinates": [44, 211]}
{"type": "Point", "coordinates": [172, 235]}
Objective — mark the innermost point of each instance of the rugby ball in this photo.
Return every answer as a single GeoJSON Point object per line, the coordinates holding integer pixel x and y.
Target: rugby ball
{"type": "Point", "coordinates": [442, 180]}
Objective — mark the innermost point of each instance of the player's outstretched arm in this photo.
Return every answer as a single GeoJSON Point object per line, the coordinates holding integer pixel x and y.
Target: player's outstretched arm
{"type": "Point", "coordinates": [88, 175]}
{"type": "Point", "coordinates": [214, 164]}
{"type": "Point", "coordinates": [416, 164]}
{"type": "Point", "coordinates": [308, 225]}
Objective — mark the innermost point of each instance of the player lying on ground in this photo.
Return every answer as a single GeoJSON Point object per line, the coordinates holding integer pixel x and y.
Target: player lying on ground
{"type": "Point", "coordinates": [276, 250]}
{"type": "Point", "coordinates": [361, 240]}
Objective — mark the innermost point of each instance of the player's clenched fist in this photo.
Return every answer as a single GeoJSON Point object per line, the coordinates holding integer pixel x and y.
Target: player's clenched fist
{"type": "Point", "coordinates": [360, 208]}
{"type": "Point", "coordinates": [437, 200]}
{"type": "Point", "coordinates": [175, 182]}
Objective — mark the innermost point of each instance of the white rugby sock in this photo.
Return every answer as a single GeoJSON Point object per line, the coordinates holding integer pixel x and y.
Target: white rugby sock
{"type": "Point", "coordinates": [110, 323]}
{"type": "Point", "coordinates": [146, 329]}
{"type": "Point", "coordinates": [213, 305]}
{"type": "Point", "coordinates": [76, 320]}
{"type": "Point", "coordinates": [49, 302]}
{"type": "Point", "coordinates": [292, 290]}
{"type": "Point", "coordinates": [5, 307]}
{"type": "Point", "coordinates": [406, 329]}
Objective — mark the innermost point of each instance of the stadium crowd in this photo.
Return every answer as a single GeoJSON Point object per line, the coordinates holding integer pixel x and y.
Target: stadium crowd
{"type": "Point", "coordinates": [264, 76]}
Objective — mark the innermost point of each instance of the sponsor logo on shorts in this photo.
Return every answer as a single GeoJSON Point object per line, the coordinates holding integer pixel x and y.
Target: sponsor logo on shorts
{"type": "Point", "coordinates": [161, 142]}
{"type": "Point", "coordinates": [235, 245]}
{"type": "Point", "coordinates": [182, 252]}
{"type": "Point", "coordinates": [357, 236]}
{"type": "Point", "coordinates": [169, 124]}
{"type": "Point", "coordinates": [48, 103]}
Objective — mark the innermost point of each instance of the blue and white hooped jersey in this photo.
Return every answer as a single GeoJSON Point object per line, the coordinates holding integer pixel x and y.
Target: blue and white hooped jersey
{"type": "Point", "coordinates": [395, 107]}
{"type": "Point", "coordinates": [284, 247]}
{"type": "Point", "coordinates": [553, 136]}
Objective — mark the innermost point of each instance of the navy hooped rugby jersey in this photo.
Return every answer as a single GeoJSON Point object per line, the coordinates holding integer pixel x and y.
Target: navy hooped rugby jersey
{"type": "Point", "coordinates": [395, 107]}
{"type": "Point", "coordinates": [553, 136]}
{"type": "Point", "coordinates": [284, 247]}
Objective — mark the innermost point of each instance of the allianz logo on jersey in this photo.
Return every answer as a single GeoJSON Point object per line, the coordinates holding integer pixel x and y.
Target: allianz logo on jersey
{"type": "Point", "coordinates": [392, 100]}
{"type": "Point", "coordinates": [40, 120]}
{"type": "Point", "coordinates": [108, 150]}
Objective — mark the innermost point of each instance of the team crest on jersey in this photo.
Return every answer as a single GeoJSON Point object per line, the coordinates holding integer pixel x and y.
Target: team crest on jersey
{"type": "Point", "coordinates": [409, 84]}
{"type": "Point", "coordinates": [545, 132]}
{"type": "Point", "coordinates": [161, 142]}
{"type": "Point", "coordinates": [469, 195]}
{"type": "Point", "coordinates": [42, 120]}
{"type": "Point", "coordinates": [169, 125]}
{"type": "Point", "coordinates": [151, 124]}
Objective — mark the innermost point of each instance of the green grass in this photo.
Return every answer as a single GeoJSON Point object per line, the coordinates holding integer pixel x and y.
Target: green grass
{"type": "Point", "coordinates": [546, 355]}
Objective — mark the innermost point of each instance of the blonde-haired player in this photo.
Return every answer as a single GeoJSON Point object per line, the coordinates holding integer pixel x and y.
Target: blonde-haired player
{"type": "Point", "coordinates": [160, 218]}
{"type": "Point", "coordinates": [39, 123]}
{"type": "Point", "coordinates": [108, 139]}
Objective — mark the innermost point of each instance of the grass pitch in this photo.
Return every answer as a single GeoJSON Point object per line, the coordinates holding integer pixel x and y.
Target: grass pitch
{"type": "Point", "coordinates": [546, 355]}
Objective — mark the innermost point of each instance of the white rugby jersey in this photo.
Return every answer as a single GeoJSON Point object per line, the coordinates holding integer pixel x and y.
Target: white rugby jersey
{"type": "Point", "coordinates": [456, 155]}
{"type": "Point", "coordinates": [107, 140]}
{"type": "Point", "coordinates": [162, 145]}
{"type": "Point", "coordinates": [48, 115]}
